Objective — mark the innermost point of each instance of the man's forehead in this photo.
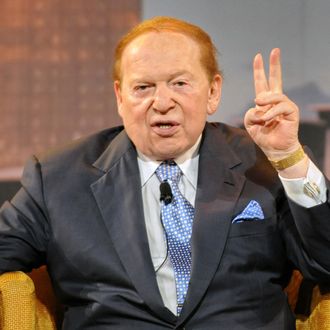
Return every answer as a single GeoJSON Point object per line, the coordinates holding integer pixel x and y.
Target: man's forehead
{"type": "Point", "coordinates": [162, 39]}
{"type": "Point", "coordinates": [162, 53]}
{"type": "Point", "coordinates": [168, 75]}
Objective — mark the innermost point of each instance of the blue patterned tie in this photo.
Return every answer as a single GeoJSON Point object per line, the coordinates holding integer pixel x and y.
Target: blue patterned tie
{"type": "Point", "coordinates": [177, 218]}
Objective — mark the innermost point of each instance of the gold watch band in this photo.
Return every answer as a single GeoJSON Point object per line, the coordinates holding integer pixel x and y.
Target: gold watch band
{"type": "Point", "coordinates": [291, 160]}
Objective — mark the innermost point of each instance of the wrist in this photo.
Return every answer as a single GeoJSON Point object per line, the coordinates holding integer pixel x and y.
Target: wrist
{"type": "Point", "coordinates": [281, 162]}
{"type": "Point", "coordinates": [298, 170]}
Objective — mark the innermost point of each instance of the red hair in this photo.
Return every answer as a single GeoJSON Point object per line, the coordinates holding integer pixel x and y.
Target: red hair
{"type": "Point", "coordinates": [159, 24]}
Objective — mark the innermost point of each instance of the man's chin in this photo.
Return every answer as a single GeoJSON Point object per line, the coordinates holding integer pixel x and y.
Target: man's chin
{"type": "Point", "coordinates": [165, 149]}
{"type": "Point", "coordinates": [166, 153]}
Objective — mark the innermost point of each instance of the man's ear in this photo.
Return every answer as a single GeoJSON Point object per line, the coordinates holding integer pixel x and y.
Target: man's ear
{"type": "Point", "coordinates": [116, 87]}
{"type": "Point", "coordinates": [214, 94]}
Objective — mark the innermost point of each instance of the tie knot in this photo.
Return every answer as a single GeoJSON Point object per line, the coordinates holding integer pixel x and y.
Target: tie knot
{"type": "Point", "coordinates": [168, 170]}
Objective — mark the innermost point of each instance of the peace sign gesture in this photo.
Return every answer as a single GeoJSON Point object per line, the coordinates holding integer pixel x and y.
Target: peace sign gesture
{"type": "Point", "coordinates": [273, 123]}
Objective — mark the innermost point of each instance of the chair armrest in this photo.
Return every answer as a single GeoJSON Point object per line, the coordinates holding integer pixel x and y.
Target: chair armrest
{"type": "Point", "coordinates": [319, 319]}
{"type": "Point", "coordinates": [17, 302]}
{"type": "Point", "coordinates": [26, 301]}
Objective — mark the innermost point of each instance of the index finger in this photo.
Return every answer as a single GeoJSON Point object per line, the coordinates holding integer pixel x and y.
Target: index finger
{"type": "Point", "coordinates": [275, 71]}
{"type": "Point", "coordinates": [259, 75]}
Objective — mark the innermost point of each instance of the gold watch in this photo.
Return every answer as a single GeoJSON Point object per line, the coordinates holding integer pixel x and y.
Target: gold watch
{"type": "Point", "coordinates": [291, 160]}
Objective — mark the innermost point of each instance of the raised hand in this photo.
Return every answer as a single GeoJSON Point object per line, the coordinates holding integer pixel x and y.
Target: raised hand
{"type": "Point", "coordinates": [273, 123]}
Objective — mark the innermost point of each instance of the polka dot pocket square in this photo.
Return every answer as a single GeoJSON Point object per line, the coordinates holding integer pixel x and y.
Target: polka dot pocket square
{"type": "Point", "coordinates": [252, 211]}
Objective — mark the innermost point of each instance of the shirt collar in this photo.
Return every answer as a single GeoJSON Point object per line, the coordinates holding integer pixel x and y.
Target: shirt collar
{"type": "Point", "coordinates": [187, 162]}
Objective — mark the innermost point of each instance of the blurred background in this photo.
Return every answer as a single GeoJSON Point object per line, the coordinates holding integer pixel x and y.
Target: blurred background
{"type": "Point", "coordinates": [56, 57]}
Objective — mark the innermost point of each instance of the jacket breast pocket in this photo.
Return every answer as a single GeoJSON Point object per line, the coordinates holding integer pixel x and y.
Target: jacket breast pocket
{"type": "Point", "coordinates": [252, 227]}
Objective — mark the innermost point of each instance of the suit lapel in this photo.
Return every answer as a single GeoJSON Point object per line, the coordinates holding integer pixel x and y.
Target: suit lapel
{"type": "Point", "coordinates": [217, 192]}
{"type": "Point", "coordinates": [118, 195]}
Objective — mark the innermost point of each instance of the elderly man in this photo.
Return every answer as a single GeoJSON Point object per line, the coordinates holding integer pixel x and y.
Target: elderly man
{"type": "Point", "coordinates": [171, 222]}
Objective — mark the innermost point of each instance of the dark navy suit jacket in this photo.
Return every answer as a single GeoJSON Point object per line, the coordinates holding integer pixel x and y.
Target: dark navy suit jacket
{"type": "Point", "coordinates": [80, 212]}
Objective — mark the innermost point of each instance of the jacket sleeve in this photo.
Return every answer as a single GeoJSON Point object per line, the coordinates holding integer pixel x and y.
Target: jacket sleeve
{"type": "Point", "coordinates": [24, 224]}
{"type": "Point", "coordinates": [308, 239]}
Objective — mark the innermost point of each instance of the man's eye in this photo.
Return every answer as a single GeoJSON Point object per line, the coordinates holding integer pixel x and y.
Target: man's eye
{"type": "Point", "coordinates": [141, 87]}
{"type": "Point", "coordinates": [180, 83]}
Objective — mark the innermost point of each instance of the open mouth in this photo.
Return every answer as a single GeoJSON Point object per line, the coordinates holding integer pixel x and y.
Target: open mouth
{"type": "Point", "coordinates": [165, 126]}
{"type": "Point", "coordinates": [165, 129]}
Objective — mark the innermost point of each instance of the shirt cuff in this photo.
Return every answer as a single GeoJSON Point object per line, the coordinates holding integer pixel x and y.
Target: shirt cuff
{"type": "Point", "coordinates": [309, 191]}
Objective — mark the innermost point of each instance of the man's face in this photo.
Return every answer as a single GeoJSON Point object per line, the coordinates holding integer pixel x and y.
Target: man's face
{"type": "Point", "coordinates": [164, 95]}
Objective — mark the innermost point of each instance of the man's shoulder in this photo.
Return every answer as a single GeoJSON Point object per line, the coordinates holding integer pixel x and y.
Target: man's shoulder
{"type": "Point", "coordinates": [237, 141]}
{"type": "Point", "coordinates": [87, 148]}
{"type": "Point", "coordinates": [232, 135]}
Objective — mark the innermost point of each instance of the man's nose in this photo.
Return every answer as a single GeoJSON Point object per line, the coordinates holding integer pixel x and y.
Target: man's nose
{"type": "Point", "coordinates": [163, 99]}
